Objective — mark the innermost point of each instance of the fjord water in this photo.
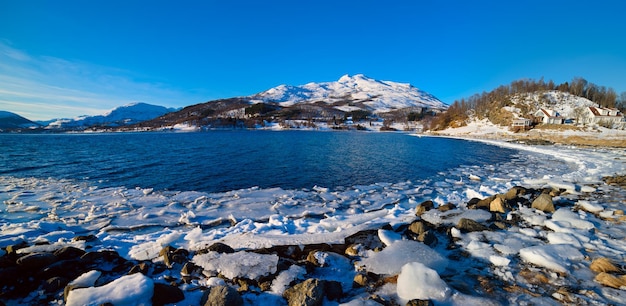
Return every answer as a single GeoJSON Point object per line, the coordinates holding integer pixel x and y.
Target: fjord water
{"type": "Point", "coordinates": [219, 161]}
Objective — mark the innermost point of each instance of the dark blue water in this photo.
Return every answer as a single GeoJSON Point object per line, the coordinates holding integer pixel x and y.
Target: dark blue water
{"type": "Point", "coordinates": [226, 160]}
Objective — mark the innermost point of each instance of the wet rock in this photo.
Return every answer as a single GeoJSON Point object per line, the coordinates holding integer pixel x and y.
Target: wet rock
{"type": "Point", "coordinates": [36, 261]}
{"type": "Point", "coordinates": [424, 207]}
{"type": "Point", "coordinates": [310, 292]}
{"type": "Point", "coordinates": [221, 296]}
{"type": "Point", "coordinates": [544, 203]}
{"type": "Point", "coordinates": [469, 225]}
{"type": "Point", "coordinates": [69, 253]}
{"type": "Point", "coordinates": [166, 294]}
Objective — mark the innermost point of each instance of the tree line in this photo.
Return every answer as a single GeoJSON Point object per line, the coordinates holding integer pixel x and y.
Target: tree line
{"type": "Point", "coordinates": [489, 104]}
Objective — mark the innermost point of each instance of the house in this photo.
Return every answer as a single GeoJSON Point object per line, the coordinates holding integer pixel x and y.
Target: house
{"type": "Point", "coordinates": [521, 124]}
{"type": "Point", "coordinates": [602, 115]}
{"type": "Point", "coordinates": [548, 116]}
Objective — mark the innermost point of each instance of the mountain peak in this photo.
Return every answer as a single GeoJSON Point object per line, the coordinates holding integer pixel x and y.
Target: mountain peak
{"type": "Point", "coordinates": [370, 94]}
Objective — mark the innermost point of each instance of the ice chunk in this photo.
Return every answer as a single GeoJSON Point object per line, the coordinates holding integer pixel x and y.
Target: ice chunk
{"type": "Point", "coordinates": [566, 215]}
{"type": "Point", "coordinates": [563, 238]}
{"type": "Point", "coordinates": [87, 279]}
{"type": "Point", "coordinates": [555, 257]}
{"type": "Point", "coordinates": [417, 281]}
{"type": "Point", "coordinates": [135, 289]}
{"type": "Point", "coordinates": [452, 217]}
{"type": "Point", "coordinates": [388, 237]}
{"type": "Point", "coordinates": [497, 260]}
{"type": "Point", "coordinates": [282, 281]}
{"type": "Point", "coordinates": [239, 264]}
{"type": "Point", "coordinates": [391, 259]}
{"type": "Point", "coordinates": [590, 207]}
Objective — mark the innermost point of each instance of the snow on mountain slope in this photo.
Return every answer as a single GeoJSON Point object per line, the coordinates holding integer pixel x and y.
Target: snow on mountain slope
{"type": "Point", "coordinates": [377, 96]}
{"type": "Point", "coordinates": [123, 115]}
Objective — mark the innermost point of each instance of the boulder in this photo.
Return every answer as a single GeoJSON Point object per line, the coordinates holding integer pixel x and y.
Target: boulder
{"type": "Point", "coordinates": [418, 227]}
{"type": "Point", "coordinates": [333, 290]}
{"type": "Point", "coordinates": [469, 225]}
{"type": "Point", "coordinates": [497, 205]}
{"type": "Point", "coordinates": [55, 284]}
{"type": "Point", "coordinates": [166, 294]}
{"type": "Point", "coordinates": [424, 207]}
{"type": "Point", "coordinates": [484, 203]}
{"type": "Point", "coordinates": [69, 253]}
{"type": "Point", "coordinates": [446, 207]}
{"type": "Point", "coordinates": [36, 261]}
{"type": "Point", "coordinates": [221, 296]}
{"type": "Point", "coordinates": [310, 292]}
{"type": "Point", "coordinates": [420, 303]}
{"type": "Point", "coordinates": [514, 192]}
{"type": "Point", "coordinates": [218, 247]}
{"type": "Point", "coordinates": [544, 203]}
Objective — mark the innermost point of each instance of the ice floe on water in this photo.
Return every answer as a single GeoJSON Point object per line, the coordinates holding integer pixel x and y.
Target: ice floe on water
{"type": "Point", "coordinates": [492, 258]}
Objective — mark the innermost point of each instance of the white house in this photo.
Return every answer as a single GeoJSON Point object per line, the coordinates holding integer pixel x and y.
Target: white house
{"type": "Point", "coordinates": [549, 116]}
{"type": "Point", "coordinates": [600, 115]}
{"type": "Point", "coordinates": [521, 123]}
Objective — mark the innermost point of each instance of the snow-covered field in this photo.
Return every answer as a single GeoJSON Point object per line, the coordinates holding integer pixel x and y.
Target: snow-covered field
{"type": "Point", "coordinates": [521, 256]}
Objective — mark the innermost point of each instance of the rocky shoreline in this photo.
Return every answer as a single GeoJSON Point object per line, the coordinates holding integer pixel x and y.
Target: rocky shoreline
{"type": "Point", "coordinates": [379, 261]}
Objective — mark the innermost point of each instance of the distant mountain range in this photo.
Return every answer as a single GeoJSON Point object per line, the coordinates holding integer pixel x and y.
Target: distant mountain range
{"type": "Point", "coordinates": [12, 121]}
{"type": "Point", "coordinates": [320, 101]}
{"type": "Point", "coordinates": [124, 115]}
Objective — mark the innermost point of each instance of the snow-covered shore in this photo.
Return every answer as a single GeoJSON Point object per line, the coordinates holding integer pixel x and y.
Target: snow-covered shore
{"type": "Point", "coordinates": [380, 244]}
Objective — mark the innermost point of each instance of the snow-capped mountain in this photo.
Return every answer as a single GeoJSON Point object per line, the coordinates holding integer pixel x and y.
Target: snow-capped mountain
{"type": "Point", "coordinates": [123, 115]}
{"type": "Point", "coordinates": [351, 92]}
{"type": "Point", "coordinates": [10, 121]}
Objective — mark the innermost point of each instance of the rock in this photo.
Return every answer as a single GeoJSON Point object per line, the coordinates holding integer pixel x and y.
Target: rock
{"type": "Point", "coordinates": [314, 258]}
{"type": "Point", "coordinates": [69, 269]}
{"type": "Point", "coordinates": [424, 207]}
{"type": "Point", "coordinates": [166, 294]}
{"type": "Point", "coordinates": [36, 261]}
{"type": "Point", "coordinates": [87, 238]}
{"type": "Point", "coordinates": [55, 284]}
{"type": "Point", "coordinates": [218, 247]}
{"type": "Point", "coordinates": [420, 303]}
{"type": "Point", "coordinates": [484, 203]}
{"type": "Point", "coordinates": [544, 203]}
{"type": "Point", "coordinates": [139, 268]}
{"type": "Point", "coordinates": [333, 290]}
{"type": "Point", "coordinates": [360, 280]}
{"type": "Point", "coordinates": [497, 205]}
{"type": "Point", "coordinates": [603, 264]}
{"type": "Point", "coordinates": [310, 292]}
{"type": "Point", "coordinates": [12, 249]}
{"type": "Point", "coordinates": [352, 250]}
{"type": "Point", "coordinates": [514, 192]}
{"type": "Point", "coordinates": [469, 225]}
{"type": "Point", "coordinates": [428, 238]}
{"type": "Point", "coordinates": [418, 227]}
{"type": "Point", "coordinates": [221, 296]}
{"type": "Point", "coordinates": [446, 207]}
{"type": "Point", "coordinates": [69, 253]}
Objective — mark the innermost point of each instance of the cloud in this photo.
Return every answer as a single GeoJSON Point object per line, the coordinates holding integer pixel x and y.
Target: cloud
{"type": "Point", "coordinates": [43, 87]}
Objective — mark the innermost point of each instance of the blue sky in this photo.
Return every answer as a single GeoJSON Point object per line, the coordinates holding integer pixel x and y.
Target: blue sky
{"type": "Point", "coordinates": [69, 58]}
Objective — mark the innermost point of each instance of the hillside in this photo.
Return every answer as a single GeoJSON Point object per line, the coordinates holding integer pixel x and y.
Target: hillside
{"type": "Point", "coordinates": [12, 121]}
{"type": "Point", "coordinates": [353, 92]}
{"type": "Point", "coordinates": [336, 104]}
